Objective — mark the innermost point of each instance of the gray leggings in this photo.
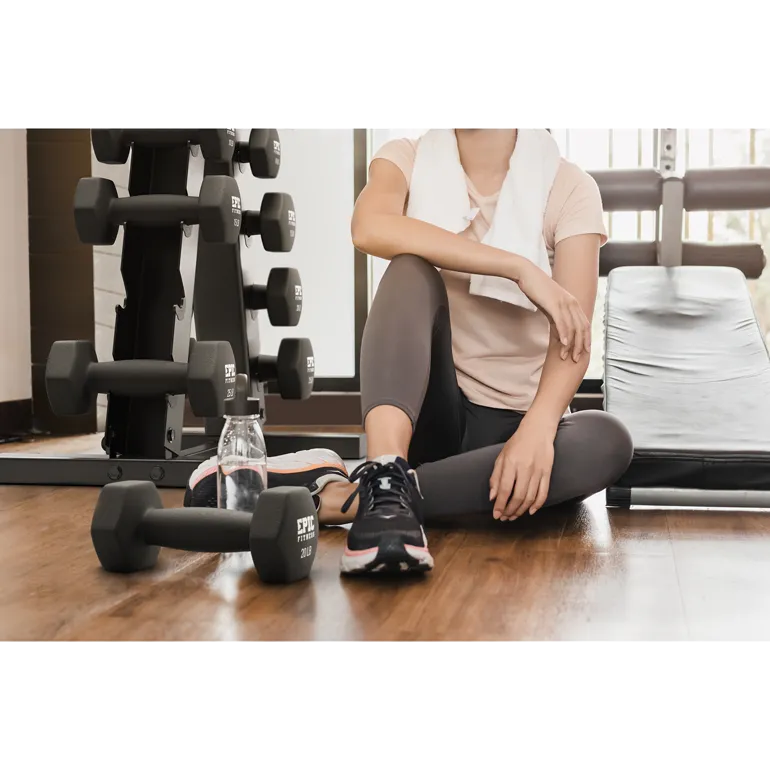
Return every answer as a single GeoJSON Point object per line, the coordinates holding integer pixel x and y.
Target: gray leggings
{"type": "Point", "coordinates": [406, 361]}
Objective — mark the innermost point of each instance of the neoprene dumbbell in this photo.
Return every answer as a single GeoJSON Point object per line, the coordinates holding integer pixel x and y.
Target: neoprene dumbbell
{"type": "Point", "coordinates": [281, 297]}
{"type": "Point", "coordinates": [293, 369]}
{"type": "Point", "coordinates": [275, 222]}
{"type": "Point", "coordinates": [262, 153]}
{"type": "Point", "coordinates": [112, 145]}
{"type": "Point", "coordinates": [74, 376]}
{"type": "Point", "coordinates": [130, 526]}
{"type": "Point", "coordinates": [99, 211]}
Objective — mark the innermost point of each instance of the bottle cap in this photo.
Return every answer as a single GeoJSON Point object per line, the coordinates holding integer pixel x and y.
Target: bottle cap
{"type": "Point", "coordinates": [241, 404]}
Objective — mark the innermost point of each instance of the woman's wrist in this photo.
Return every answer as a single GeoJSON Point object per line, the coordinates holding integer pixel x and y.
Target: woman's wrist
{"type": "Point", "coordinates": [516, 267]}
{"type": "Point", "coordinates": [543, 420]}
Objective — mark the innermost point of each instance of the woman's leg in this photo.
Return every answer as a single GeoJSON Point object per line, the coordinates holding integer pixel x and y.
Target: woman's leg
{"type": "Point", "coordinates": [410, 399]}
{"type": "Point", "coordinates": [592, 450]}
{"type": "Point", "coordinates": [409, 395]}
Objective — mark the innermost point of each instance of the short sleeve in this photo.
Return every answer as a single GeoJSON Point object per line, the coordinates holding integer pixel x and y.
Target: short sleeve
{"type": "Point", "coordinates": [581, 212]}
{"type": "Point", "coordinates": [402, 153]}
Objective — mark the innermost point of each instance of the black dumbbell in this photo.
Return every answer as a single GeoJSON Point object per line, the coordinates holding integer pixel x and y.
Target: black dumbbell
{"type": "Point", "coordinates": [112, 145]}
{"type": "Point", "coordinates": [73, 377]}
{"type": "Point", "coordinates": [275, 222]}
{"type": "Point", "coordinates": [130, 526]}
{"type": "Point", "coordinates": [99, 211]}
{"type": "Point", "coordinates": [281, 297]}
{"type": "Point", "coordinates": [293, 369]}
{"type": "Point", "coordinates": [262, 152]}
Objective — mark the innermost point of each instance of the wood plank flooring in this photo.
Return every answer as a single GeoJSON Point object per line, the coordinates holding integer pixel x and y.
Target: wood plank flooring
{"type": "Point", "coordinates": [570, 574]}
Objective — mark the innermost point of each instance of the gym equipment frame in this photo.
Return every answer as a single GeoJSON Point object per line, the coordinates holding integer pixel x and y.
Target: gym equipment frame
{"type": "Point", "coordinates": [680, 313]}
{"type": "Point", "coordinates": [219, 274]}
{"type": "Point", "coordinates": [143, 436]}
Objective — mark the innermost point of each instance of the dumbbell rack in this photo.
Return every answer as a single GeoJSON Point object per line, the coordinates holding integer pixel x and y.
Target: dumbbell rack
{"type": "Point", "coordinates": [143, 436]}
{"type": "Point", "coordinates": [219, 275]}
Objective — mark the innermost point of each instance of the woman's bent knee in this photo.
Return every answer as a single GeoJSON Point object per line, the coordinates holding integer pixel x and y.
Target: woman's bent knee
{"type": "Point", "coordinates": [610, 444]}
{"type": "Point", "coordinates": [408, 271]}
{"type": "Point", "coordinates": [594, 450]}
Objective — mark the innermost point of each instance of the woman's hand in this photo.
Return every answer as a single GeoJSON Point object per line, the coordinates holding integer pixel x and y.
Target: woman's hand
{"type": "Point", "coordinates": [522, 473]}
{"type": "Point", "coordinates": [563, 311]}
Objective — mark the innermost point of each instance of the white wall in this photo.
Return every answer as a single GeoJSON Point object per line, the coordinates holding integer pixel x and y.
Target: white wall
{"type": "Point", "coordinates": [317, 171]}
{"type": "Point", "coordinates": [15, 351]}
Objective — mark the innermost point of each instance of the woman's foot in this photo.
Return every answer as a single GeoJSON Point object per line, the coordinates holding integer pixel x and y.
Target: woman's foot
{"type": "Point", "coordinates": [387, 533]}
{"type": "Point", "coordinates": [311, 468]}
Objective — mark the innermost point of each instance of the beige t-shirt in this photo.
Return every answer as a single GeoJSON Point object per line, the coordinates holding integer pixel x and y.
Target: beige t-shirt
{"type": "Point", "coordinates": [499, 349]}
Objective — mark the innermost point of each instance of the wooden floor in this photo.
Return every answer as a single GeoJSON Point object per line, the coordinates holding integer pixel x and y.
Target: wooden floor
{"type": "Point", "coordinates": [564, 575]}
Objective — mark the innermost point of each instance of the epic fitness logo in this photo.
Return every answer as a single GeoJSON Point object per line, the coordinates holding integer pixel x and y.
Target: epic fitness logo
{"type": "Point", "coordinates": [292, 220]}
{"type": "Point", "coordinates": [305, 529]}
{"type": "Point", "coordinates": [230, 380]}
{"type": "Point", "coordinates": [298, 297]}
{"type": "Point", "coordinates": [236, 208]}
{"type": "Point", "coordinates": [310, 369]}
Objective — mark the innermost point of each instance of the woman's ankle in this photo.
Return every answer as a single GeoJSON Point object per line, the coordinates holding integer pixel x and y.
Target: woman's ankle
{"type": "Point", "coordinates": [388, 431]}
{"type": "Point", "coordinates": [333, 496]}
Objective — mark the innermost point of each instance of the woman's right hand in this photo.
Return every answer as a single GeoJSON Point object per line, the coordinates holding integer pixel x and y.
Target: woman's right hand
{"type": "Point", "coordinates": [562, 310]}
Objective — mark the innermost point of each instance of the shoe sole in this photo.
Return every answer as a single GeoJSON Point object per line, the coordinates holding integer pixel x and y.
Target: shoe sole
{"type": "Point", "coordinates": [392, 555]}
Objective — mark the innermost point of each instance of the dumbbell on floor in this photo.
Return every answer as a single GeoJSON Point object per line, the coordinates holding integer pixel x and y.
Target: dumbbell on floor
{"type": "Point", "coordinates": [275, 222]}
{"type": "Point", "coordinates": [262, 153]}
{"type": "Point", "coordinates": [112, 145]}
{"type": "Point", "coordinates": [130, 526]}
{"type": "Point", "coordinates": [74, 376]}
{"type": "Point", "coordinates": [99, 211]}
{"type": "Point", "coordinates": [281, 297]}
{"type": "Point", "coordinates": [293, 369]}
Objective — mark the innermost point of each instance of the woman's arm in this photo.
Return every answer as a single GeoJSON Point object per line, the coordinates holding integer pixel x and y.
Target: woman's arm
{"type": "Point", "coordinates": [576, 268]}
{"type": "Point", "coordinates": [380, 228]}
{"type": "Point", "coordinates": [522, 474]}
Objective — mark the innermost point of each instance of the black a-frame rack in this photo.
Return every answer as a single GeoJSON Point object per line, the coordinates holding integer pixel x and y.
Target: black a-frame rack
{"type": "Point", "coordinates": [166, 273]}
{"type": "Point", "coordinates": [219, 275]}
{"type": "Point", "coordinates": [143, 436]}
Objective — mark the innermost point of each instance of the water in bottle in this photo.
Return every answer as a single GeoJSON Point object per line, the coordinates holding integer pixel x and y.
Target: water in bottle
{"type": "Point", "coordinates": [241, 455]}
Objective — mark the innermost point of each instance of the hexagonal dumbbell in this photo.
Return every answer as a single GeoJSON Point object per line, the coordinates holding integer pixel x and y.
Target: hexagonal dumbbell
{"type": "Point", "coordinates": [262, 153]}
{"type": "Point", "coordinates": [281, 297]}
{"type": "Point", "coordinates": [130, 526]}
{"type": "Point", "coordinates": [73, 377]}
{"type": "Point", "coordinates": [275, 222]}
{"type": "Point", "coordinates": [99, 211]}
{"type": "Point", "coordinates": [293, 369]}
{"type": "Point", "coordinates": [112, 145]}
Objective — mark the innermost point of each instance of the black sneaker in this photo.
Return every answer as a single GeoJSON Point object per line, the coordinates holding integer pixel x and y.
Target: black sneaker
{"type": "Point", "coordinates": [387, 534]}
{"type": "Point", "coordinates": [311, 468]}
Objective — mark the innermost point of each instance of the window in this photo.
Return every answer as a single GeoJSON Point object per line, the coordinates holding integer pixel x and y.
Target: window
{"type": "Point", "coordinates": [605, 148]}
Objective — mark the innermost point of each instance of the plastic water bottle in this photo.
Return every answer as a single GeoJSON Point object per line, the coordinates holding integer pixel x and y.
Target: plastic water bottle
{"type": "Point", "coordinates": [241, 455]}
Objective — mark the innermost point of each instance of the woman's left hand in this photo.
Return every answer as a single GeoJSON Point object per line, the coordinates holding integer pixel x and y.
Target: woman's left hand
{"type": "Point", "coordinates": [522, 473]}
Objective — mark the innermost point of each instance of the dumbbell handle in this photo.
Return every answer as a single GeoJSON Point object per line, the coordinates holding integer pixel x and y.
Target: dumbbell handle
{"type": "Point", "coordinates": [250, 223]}
{"type": "Point", "coordinates": [155, 209]}
{"type": "Point", "coordinates": [255, 297]}
{"type": "Point", "coordinates": [241, 154]}
{"type": "Point", "coordinates": [166, 137]}
{"type": "Point", "coordinates": [264, 368]}
{"type": "Point", "coordinates": [208, 530]}
{"type": "Point", "coordinates": [137, 378]}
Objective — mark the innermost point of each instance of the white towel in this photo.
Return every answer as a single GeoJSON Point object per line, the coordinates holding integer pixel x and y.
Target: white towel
{"type": "Point", "coordinates": [438, 194]}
